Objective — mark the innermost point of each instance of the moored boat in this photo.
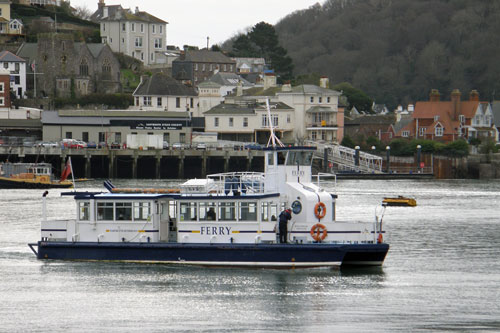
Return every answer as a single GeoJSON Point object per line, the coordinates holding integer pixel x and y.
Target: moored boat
{"type": "Point", "coordinates": [400, 201]}
{"type": "Point", "coordinates": [29, 175]}
{"type": "Point", "coordinates": [227, 219]}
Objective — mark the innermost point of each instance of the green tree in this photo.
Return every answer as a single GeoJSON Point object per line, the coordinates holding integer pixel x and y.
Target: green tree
{"type": "Point", "coordinates": [348, 142]}
{"type": "Point", "coordinates": [355, 97]}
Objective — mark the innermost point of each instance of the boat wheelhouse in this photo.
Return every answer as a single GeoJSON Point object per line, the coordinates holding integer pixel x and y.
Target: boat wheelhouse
{"type": "Point", "coordinates": [29, 175]}
{"type": "Point", "coordinates": [227, 219]}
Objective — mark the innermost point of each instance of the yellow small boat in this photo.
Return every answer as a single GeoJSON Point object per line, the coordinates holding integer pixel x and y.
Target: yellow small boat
{"type": "Point", "coordinates": [400, 201]}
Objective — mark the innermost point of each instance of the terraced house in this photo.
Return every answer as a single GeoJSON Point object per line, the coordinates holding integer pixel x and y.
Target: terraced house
{"type": "Point", "coordinates": [137, 34]}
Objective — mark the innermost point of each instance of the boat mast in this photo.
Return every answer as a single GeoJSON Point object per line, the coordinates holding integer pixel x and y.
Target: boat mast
{"type": "Point", "coordinates": [273, 136]}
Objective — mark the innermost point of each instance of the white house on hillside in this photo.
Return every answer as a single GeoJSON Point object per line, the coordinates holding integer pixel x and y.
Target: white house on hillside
{"type": "Point", "coordinates": [17, 68]}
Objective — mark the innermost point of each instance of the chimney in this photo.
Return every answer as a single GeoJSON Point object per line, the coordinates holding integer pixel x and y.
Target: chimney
{"type": "Point", "coordinates": [455, 100]}
{"type": "Point", "coordinates": [411, 108]}
{"type": "Point", "coordinates": [100, 4]}
{"type": "Point", "coordinates": [143, 78]}
{"type": "Point", "coordinates": [269, 80]}
{"type": "Point", "coordinates": [239, 89]}
{"type": "Point", "coordinates": [474, 96]}
{"type": "Point", "coordinates": [324, 82]}
{"type": "Point", "coordinates": [104, 12]}
{"type": "Point", "coordinates": [287, 86]}
{"type": "Point", "coordinates": [434, 95]}
{"type": "Point", "coordinates": [136, 10]}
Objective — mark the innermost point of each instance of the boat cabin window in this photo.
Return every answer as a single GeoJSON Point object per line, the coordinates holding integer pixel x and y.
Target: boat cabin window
{"type": "Point", "coordinates": [270, 158]}
{"type": "Point", "coordinates": [123, 211]}
{"type": "Point", "coordinates": [187, 211]}
{"type": "Point", "coordinates": [281, 157]}
{"type": "Point", "coordinates": [105, 211]}
{"type": "Point", "coordinates": [142, 211]}
{"type": "Point", "coordinates": [84, 211]}
{"type": "Point", "coordinates": [208, 211]}
{"type": "Point", "coordinates": [268, 212]}
{"type": "Point", "coordinates": [303, 158]}
{"type": "Point", "coordinates": [247, 211]}
{"type": "Point", "coordinates": [227, 211]}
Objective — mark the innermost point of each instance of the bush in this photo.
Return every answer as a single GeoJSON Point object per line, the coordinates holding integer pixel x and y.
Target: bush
{"type": "Point", "coordinates": [111, 101]}
{"type": "Point", "coordinates": [348, 142]}
{"type": "Point", "coordinates": [457, 148]}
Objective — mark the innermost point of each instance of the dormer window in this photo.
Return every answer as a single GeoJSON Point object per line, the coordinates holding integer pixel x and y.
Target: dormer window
{"type": "Point", "coordinates": [312, 99]}
{"type": "Point", "coordinates": [438, 131]}
{"type": "Point", "coordinates": [436, 118]}
{"type": "Point", "coordinates": [405, 134]}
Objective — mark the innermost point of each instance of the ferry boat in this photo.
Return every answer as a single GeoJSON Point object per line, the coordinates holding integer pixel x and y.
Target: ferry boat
{"type": "Point", "coordinates": [29, 175]}
{"type": "Point", "coordinates": [227, 219]}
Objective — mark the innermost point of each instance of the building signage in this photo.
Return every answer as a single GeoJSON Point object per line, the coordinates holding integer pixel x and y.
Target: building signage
{"type": "Point", "coordinates": [162, 125]}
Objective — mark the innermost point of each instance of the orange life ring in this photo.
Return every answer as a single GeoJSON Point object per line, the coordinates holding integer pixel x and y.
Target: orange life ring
{"type": "Point", "coordinates": [380, 238]}
{"type": "Point", "coordinates": [318, 232]}
{"type": "Point", "coordinates": [320, 210]}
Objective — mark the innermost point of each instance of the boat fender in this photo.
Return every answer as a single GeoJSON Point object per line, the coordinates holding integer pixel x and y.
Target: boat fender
{"type": "Point", "coordinates": [318, 232]}
{"type": "Point", "coordinates": [380, 238]}
{"type": "Point", "coordinates": [320, 210]}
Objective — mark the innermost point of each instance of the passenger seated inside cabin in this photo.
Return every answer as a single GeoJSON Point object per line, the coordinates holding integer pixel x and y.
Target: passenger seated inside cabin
{"type": "Point", "coordinates": [211, 214]}
{"type": "Point", "coordinates": [273, 218]}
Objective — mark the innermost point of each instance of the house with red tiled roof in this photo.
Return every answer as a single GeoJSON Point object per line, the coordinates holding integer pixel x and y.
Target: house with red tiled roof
{"type": "Point", "coordinates": [447, 121]}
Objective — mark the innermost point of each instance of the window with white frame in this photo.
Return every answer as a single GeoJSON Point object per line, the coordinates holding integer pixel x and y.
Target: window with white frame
{"type": "Point", "coordinates": [265, 121]}
{"type": "Point", "coordinates": [328, 99]}
{"type": "Point", "coordinates": [104, 27]}
{"type": "Point", "coordinates": [147, 100]}
{"type": "Point", "coordinates": [157, 43]}
{"type": "Point", "coordinates": [274, 117]}
{"type": "Point", "coordinates": [323, 135]}
{"type": "Point", "coordinates": [405, 134]}
{"type": "Point", "coordinates": [158, 101]}
{"type": "Point", "coordinates": [312, 99]}
{"type": "Point", "coordinates": [288, 118]}
{"type": "Point", "coordinates": [461, 118]}
{"type": "Point", "coordinates": [138, 41]}
{"type": "Point", "coordinates": [245, 121]}
{"type": "Point", "coordinates": [314, 135]}
{"type": "Point", "coordinates": [231, 122]}
{"type": "Point", "coordinates": [124, 27]}
{"type": "Point", "coordinates": [438, 131]}
{"type": "Point", "coordinates": [1, 87]}
{"type": "Point", "coordinates": [421, 131]}
{"type": "Point", "coordinates": [320, 100]}
{"type": "Point", "coordinates": [2, 102]}
{"type": "Point", "coordinates": [142, 27]}
{"type": "Point", "coordinates": [195, 67]}
{"type": "Point", "coordinates": [153, 28]}
{"type": "Point", "coordinates": [216, 122]}
{"type": "Point", "coordinates": [133, 27]}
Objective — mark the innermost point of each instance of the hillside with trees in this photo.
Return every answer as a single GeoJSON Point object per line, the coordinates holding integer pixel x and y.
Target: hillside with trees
{"type": "Point", "coordinates": [397, 51]}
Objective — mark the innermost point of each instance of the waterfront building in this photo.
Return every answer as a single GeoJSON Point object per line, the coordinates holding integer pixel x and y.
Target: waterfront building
{"type": "Point", "coordinates": [447, 121]}
{"type": "Point", "coordinates": [197, 66]}
{"type": "Point", "coordinates": [137, 34]}
{"type": "Point", "coordinates": [16, 67]}
{"type": "Point", "coordinates": [161, 92]}
{"type": "Point", "coordinates": [248, 121]}
{"type": "Point", "coordinates": [64, 68]}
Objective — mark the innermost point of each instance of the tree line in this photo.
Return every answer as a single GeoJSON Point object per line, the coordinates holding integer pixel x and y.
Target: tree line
{"type": "Point", "coordinates": [397, 51]}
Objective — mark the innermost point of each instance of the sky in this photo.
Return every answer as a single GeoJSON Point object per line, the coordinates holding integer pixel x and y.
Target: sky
{"type": "Point", "coordinates": [192, 21]}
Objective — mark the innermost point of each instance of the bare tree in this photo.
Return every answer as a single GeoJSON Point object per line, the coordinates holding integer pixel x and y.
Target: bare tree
{"type": "Point", "coordinates": [82, 12]}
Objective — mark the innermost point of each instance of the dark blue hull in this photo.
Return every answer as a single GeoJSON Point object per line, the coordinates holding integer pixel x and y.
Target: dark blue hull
{"type": "Point", "coordinates": [243, 255]}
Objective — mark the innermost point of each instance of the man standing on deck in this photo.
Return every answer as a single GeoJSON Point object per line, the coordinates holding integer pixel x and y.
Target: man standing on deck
{"type": "Point", "coordinates": [284, 217]}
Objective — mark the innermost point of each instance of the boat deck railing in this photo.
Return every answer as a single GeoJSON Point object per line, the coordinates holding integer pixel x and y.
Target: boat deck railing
{"type": "Point", "coordinates": [240, 182]}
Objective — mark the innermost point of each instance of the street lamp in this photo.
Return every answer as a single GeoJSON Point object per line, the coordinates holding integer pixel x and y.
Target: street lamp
{"type": "Point", "coordinates": [419, 151]}
{"type": "Point", "coordinates": [356, 156]}
{"type": "Point", "coordinates": [388, 149]}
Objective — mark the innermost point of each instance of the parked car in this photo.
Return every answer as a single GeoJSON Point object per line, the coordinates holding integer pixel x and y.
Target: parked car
{"type": "Point", "coordinates": [80, 144]}
{"type": "Point", "coordinates": [201, 146]}
{"type": "Point", "coordinates": [47, 144]}
{"type": "Point", "coordinates": [102, 145]}
{"type": "Point", "coordinates": [68, 143]}
{"type": "Point", "coordinates": [254, 146]}
{"type": "Point", "coordinates": [115, 145]}
{"type": "Point", "coordinates": [178, 146]}
{"type": "Point", "coordinates": [91, 144]}
{"type": "Point", "coordinates": [165, 144]}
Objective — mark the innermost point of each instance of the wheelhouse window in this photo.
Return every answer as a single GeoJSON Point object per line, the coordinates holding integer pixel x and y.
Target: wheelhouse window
{"type": "Point", "coordinates": [247, 211]}
{"type": "Point", "coordinates": [84, 211]}
{"type": "Point", "coordinates": [303, 158]}
{"type": "Point", "coordinates": [105, 211]}
{"type": "Point", "coordinates": [207, 211]}
{"type": "Point", "coordinates": [123, 211]}
{"type": "Point", "coordinates": [187, 211]}
{"type": "Point", "coordinates": [227, 211]}
{"type": "Point", "coordinates": [142, 211]}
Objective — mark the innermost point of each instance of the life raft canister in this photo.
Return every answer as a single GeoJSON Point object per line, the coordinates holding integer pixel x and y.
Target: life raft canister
{"type": "Point", "coordinates": [320, 210]}
{"type": "Point", "coordinates": [380, 238]}
{"type": "Point", "coordinates": [318, 232]}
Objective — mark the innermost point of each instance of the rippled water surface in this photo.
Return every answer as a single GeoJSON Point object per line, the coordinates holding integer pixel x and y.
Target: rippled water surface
{"type": "Point", "coordinates": [442, 273]}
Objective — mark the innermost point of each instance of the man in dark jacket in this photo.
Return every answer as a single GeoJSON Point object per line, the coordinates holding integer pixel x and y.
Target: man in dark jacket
{"type": "Point", "coordinates": [284, 217]}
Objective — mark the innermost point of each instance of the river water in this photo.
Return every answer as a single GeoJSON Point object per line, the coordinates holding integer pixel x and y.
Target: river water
{"type": "Point", "coordinates": [442, 273]}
